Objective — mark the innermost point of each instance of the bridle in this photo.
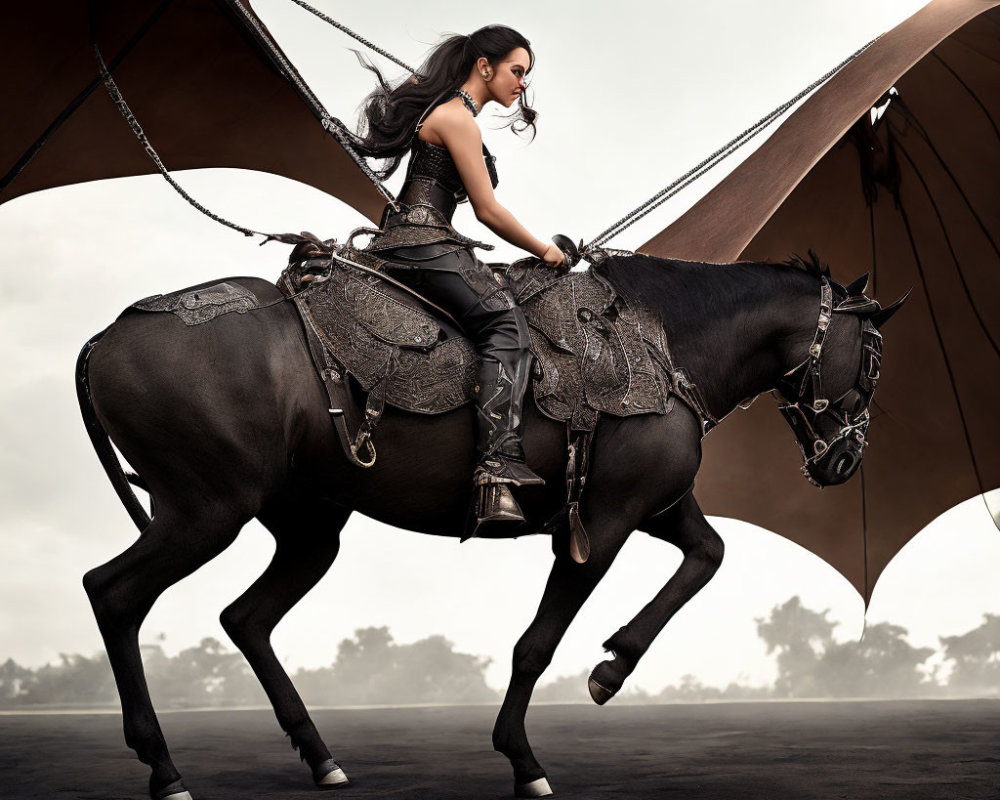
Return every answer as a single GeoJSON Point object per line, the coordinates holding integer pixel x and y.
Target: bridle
{"type": "Point", "coordinates": [805, 384]}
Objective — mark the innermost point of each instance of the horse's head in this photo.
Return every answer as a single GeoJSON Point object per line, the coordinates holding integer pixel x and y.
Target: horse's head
{"type": "Point", "coordinates": [825, 398]}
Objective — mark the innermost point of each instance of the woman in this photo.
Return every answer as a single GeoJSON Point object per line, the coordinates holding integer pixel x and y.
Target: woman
{"type": "Point", "coordinates": [432, 115]}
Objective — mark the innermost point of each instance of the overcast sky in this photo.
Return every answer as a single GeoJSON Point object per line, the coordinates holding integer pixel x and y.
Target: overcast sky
{"type": "Point", "coordinates": [630, 95]}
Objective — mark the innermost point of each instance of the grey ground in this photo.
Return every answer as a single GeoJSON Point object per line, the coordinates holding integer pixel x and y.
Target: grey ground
{"type": "Point", "coordinates": [913, 750]}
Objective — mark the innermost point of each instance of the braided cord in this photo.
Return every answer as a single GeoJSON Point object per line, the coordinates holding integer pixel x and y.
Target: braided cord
{"type": "Point", "coordinates": [352, 34]}
{"type": "Point", "coordinates": [688, 177]}
{"type": "Point", "coordinates": [718, 156]}
{"type": "Point", "coordinates": [133, 123]}
{"type": "Point", "coordinates": [344, 136]}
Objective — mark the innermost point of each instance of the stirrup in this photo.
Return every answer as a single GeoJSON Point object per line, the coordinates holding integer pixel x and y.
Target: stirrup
{"type": "Point", "coordinates": [493, 503]}
{"type": "Point", "coordinates": [506, 464]}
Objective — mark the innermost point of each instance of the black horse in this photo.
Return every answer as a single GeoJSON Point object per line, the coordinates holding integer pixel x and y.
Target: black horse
{"type": "Point", "coordinates": [226, 421]}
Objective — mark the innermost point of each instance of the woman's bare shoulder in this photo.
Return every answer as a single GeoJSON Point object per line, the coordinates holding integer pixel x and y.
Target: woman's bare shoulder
{"type": "Point", "coordinates": [449, 120]}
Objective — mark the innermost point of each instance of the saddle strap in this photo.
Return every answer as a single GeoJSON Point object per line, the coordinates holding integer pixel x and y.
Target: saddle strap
{"type": "Point", "coordinates": [577, 465]}
{"type": "Point", "coordinates": [374, 406]}
{"type": "Point", "coordinates": [337, 393]}
{"type": "Point", "coordinates": [683, 387]}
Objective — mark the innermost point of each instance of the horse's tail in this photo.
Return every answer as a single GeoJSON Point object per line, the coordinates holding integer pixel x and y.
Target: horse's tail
{"type": "Point", "coordinates": [102, 442]}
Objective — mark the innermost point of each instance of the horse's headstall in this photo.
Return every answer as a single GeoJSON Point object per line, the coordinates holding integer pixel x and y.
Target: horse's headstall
{"type": "Point", "coordinates": [800, 392]}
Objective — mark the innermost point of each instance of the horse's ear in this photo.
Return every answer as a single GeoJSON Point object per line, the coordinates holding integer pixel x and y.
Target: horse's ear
{"type": "Point", "coordinates": [879, 318]}
{"type": "Point", "coordinates": [859, 286]}
{"type": "Point", "coordinates": [859, 305]}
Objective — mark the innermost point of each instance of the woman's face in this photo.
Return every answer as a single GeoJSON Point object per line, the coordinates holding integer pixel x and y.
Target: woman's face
{"type": "Point", "coordinates": [507, 83]}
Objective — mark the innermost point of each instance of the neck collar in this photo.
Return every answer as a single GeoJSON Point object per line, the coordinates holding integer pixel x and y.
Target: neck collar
{"type": "Point", "coordinates": [470, 104]}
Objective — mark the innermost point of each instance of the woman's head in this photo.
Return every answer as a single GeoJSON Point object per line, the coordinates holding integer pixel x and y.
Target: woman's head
{"type": "Point", "coordinates": [503, 80]}
{"type": "Point", "coordinates": [390, 113]}
{"type": "Point", "coordinates": [502, 57]}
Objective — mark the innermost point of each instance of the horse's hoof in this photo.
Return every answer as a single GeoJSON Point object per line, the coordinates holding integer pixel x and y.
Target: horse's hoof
{"type": "Point", "coordinates": [600, 694]}
{"type": "Point", "coordinates": [329, 775]}
{"type": "Point", "coordinates": [173, 791]}
{"type": "Point", "coordinates": [536, 788]}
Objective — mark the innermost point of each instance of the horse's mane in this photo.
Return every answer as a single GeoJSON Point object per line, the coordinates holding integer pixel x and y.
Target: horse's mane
{"type": "Point", "coordinates": [702, 290]}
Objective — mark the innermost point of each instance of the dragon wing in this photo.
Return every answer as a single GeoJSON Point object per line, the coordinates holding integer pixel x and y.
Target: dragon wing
{"type": "Point", "coordinates": [204, 79]}
{"type": "Point", "coordinates": [914, 199]}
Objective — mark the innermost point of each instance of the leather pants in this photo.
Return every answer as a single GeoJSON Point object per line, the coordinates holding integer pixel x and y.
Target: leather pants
{"type": "Point", "coordinates": [484, 307]}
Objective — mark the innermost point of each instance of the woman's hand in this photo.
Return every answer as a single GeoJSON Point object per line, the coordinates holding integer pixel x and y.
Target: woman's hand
{"type": "Point", "coordinates": [554, 257]}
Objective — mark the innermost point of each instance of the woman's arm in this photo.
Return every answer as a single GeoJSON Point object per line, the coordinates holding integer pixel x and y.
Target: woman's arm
{"type": "Point", "coordinates": [461, 135]}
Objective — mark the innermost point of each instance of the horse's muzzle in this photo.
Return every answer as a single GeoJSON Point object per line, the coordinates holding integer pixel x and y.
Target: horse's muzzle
{"type": "Point", "coordinates": [837, 464]}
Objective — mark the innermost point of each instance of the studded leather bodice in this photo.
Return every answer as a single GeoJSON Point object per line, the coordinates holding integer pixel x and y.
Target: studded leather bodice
{"type": "Point", "coordinates": [435, 163]}
{"type": "Point", "coordinates": [432, 177]}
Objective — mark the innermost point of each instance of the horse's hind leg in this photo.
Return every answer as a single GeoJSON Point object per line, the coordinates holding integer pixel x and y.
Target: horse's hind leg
{"type": "Point", "coordinates": [123, 590]}
{"type": "Point", "coordinates": [685, 526]}
{"type": "Point", "coordinates": [307, 536]}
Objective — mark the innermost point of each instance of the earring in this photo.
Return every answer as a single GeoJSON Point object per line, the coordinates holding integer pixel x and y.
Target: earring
{"type": "Point", "coordinates": [487, 75]}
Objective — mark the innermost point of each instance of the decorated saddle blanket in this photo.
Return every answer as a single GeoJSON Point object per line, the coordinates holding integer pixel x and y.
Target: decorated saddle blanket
{"type": "Point", "coordinates": [594, 352]}
{"type": "Point", "coordinates": [203, 303]}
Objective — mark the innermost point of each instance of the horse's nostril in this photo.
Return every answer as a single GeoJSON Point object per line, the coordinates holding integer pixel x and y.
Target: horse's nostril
{"type": "Point", "coordinates": [844, 463]}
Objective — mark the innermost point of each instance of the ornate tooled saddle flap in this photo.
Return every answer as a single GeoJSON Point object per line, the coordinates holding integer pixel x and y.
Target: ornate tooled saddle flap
{"type": "Point", "coordinates": [378, 334]}
{"type": "Point", "coordinates": [382, 313]}
{"type": "Point", "coordinates": [594, 352]}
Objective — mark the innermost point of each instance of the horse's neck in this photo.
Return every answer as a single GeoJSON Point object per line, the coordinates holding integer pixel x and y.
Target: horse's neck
{"type": "Point", "coordinates": [749, 333]}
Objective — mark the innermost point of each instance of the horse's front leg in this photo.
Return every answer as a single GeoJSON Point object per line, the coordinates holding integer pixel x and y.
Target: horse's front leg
{"type": "Point", "coordinates": [686, 527]}
{"type": "Point", "coordinates": [568, 586]}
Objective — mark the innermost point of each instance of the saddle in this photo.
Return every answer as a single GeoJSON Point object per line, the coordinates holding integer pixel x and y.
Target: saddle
{"type": "Point", "coordinates": [594, 353]}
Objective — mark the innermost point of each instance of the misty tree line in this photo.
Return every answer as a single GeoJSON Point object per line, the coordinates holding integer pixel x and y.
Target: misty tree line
{"type": "Point", "coordinates": [811, 663]}
{"type": "Point", "coordinates": [371, 669]}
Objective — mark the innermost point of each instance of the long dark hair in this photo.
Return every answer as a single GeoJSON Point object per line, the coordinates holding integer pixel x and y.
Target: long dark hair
{"type": "Point", "coordinates": [389, 114]}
